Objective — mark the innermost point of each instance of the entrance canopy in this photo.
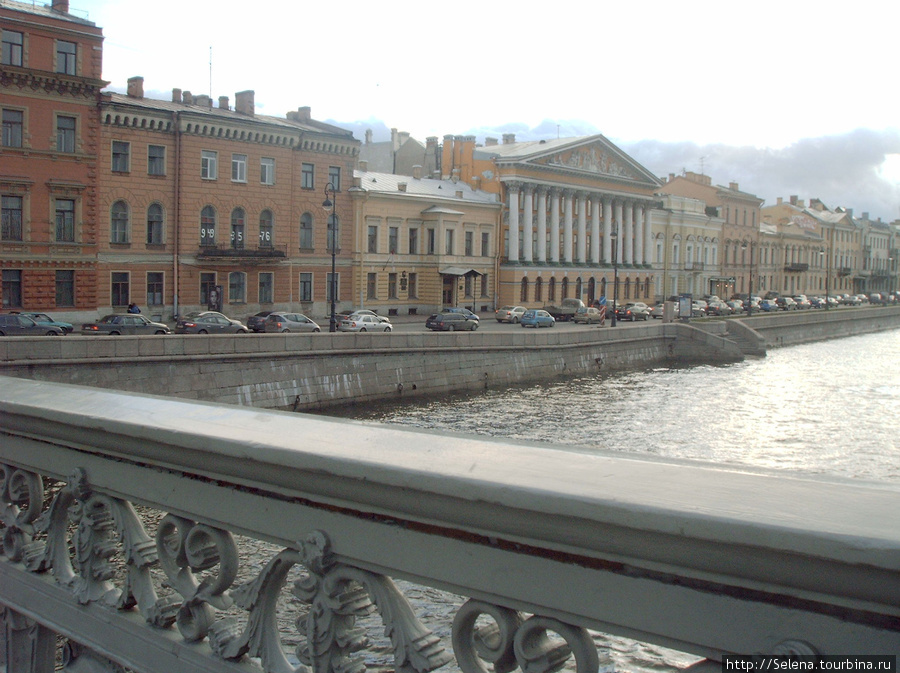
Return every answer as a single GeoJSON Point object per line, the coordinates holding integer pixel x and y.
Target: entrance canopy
{"type": "Point", "coordinates": [459, 271]}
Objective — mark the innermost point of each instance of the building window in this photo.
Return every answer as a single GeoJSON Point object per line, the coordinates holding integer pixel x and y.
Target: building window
{"type": "Point", "coordinates": [267, 171]}
{"type": "Point", "coordinates": [431, 242]}
{"type": "Point", "coordinates": [334, 283]}
{"type": "Point", "coordinates": [12, 48]}
{"type": "Point", "coordinates": [65, 57]}
{"type": "Point", "coordinates": [208, 226]}
{"type": "Point", "coordinates": [523, 290]}
{"type": "Point", "coordinates": [237, 287]}
{"type": "Point", "coordinates": [469, 243]}
{"type": "Point", "coordinates": [551, 289]}
{"type": "Point", "coordinates": [65, 134]}
{"type": "Point", "coordinates": [12, 288]}
{"type": "Point", "coordinates": [209, 161]}
{"type": "Point", "coordinates": [373, 239]}
{"type": "Point", "coordinates": [448, 242]}
{"type": "Point", "coordinates": [305, 287]}
{"type": "Point", "coordinates": [306, 232]}
{"type": "Point", "coordinates": [538, 289]}
{"type": "Point", "coordinates": [393, 233]}
{"type": "Point", "coordinates": [155, 288]}
{"type": "Point", "coordinates": [155, 225]}
{"type": "Point", "coordinates": [237, 228]}
{"type": "Point", "coordinates": [239, 168]}
{"type": "Point", "coordinates": [13, 126]}
{"type": "Point", "coordinates": [266, 287]}
{"type": "Point", "coordinates": [413, 285]}
{"type": "Point", "coordinates": [118, 230]}
{"type": "Point", "coordinates": [156, 160]}
{"type": "Point", "coordinates": [65, 220]}
{"type": "Point", "coordinates": [120, 155]}
{"type": "Point", "coordinates": [334, 233]}
{"type": "Point", "coordinates": [485, 244]}
{"type": "Point", "coordinates": [467, 283]}
{"type": "Point", "coordinates": [413, 241]}
{"type": "Point", "coordinates": [65, 288]}
{"type": "Point", "coordinates": [119, 288]}
{"type": "Point", "coordinates": [371, 285]}
{"type": "Point", "coordinates": [484, 285]}
{"type": "Point", "coordinates": [565, 288]}
{"type": "Point", "coordinates": [307, 176]}
{"type": "Point", "coordinates": [207, 285]}
{"type": "Point", "coordinates": [334, 177]}
{"type": "Point", "coordinates": [266, 229]}
{"type": "Point", "coordinates": [392, 286]}
{"type": "Point", "coordinates": [11, 218]}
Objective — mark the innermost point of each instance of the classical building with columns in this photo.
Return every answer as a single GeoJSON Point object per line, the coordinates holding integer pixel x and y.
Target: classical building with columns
{"type": "Point", "coordinates": [576, 218]}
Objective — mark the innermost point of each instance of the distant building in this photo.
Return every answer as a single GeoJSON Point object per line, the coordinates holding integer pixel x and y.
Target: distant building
{"type": "Point", "coordinates": [401, 155]}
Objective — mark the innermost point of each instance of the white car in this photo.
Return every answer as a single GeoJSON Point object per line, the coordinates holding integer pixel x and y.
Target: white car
{"type": "Point", "coordinates": [509, 314]}
{"type": "Point", "coordinates": [363, 322]}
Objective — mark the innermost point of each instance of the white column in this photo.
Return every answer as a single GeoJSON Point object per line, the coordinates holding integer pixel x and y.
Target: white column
{"type": "Point", "coordinates": [554, 225]}
{"type": "Point", "coordinates": [638, 234]}
{"type": "Point", "coordinates": [648, 234]}
{"type": "Point", "coordinates": [621, 236]}
{"type": "Point", "coordinates": [629, 234]}
{"type": "Point", "coordinates": [595, 229]}
{"type": "Point", "coordinates": [542, 225]}
{"type": "Point", "coordinates": [567, 226]}
{"type": "Point", "coordinates": [607, 230]}
{"type": "Point", "coordinates": [512, 189]}
{"type": "Point", "coordinates": [528, 229]}
{"type": "Point", "coordinates": [582, 228]}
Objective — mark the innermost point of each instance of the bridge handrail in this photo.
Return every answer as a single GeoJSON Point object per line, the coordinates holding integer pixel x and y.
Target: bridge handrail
{"type": "Point", "coordinates": [663, 551]}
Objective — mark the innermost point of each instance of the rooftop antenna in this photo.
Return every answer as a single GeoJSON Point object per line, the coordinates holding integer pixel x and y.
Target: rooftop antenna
{"type": "Point", "coordinates": [557, 131]}
{"type": "Point", "coordinates": [702, 162]}
{"type": "Point", "coordinates": [210, 72]}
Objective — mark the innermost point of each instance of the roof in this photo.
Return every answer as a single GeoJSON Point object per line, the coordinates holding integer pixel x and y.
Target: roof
{"type": "Point", "coordinates": [43, 10]}
{"type": "Point", "coordinates": [388, 183]}
{"type": "Point", "coordinates": [223, 114]}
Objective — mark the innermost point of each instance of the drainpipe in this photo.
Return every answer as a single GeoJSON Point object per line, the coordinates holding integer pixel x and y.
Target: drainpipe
{"type": "Point", "coordinates": [176, 229]}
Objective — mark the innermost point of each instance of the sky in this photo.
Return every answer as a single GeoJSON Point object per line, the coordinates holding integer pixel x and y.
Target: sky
{"type": "Point", "coordinates": [786, 98]}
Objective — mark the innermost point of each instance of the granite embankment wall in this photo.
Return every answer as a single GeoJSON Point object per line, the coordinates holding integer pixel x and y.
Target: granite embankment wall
{"type": "Point", "coordinates": [796, 327]}
{"type": "Point", "coordinates": [307, 371]}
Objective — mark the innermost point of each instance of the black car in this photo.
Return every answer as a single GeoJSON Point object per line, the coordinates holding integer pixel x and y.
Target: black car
{"type": "Point", "coordinates": [464, 311]}
{"type": "Point", "coordinates": [257, 323]}
{"type": "Point", "coordinates": [209, 322]}
{"type": "Point", "coordinates": [127, 323]}
{"type": "Point", "coordinates": [451, 322]}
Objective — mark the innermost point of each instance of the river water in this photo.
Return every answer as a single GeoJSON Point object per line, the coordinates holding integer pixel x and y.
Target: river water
{"type": "Point", "coordinates": [826, 408]}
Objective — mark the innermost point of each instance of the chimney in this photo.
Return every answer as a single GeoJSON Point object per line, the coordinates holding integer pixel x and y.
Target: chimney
{"type": "Point", "coordinates": [135, 87]}
{"type": "Point", "coordinates": [401, 186]}
{"type": "Point", "coordinates": [368, 136]}
{"type": "Point", "coordinates": [778, 201]}
{"type": "Point", "coordinates": [509, 138]}
{"type": "Point", "coordinates": [363, 165]}
{"type": "Point", "coordinates": [187, 98]}
{"type": "Point", "coordinates": [223, 103]}
{"type": "Point", "coordinates": [865, 215]}
{"type": "Point", "coordinates": [300, 115]}
{"type": "Point", "coordinates": [176, 95]}
{"type": "Point", "coordinates": [404, 136]}
{"type": "Point", "coordinates": [417, 172]}
{"type": "Point", "coordinates": [793, 199]}
{"type": "Point", "coordinates": [244, 102]}
{"type": "Point", "coordinates": [431, 141]}
{"type": "Point", "coordinates": [203, 100]}
{"type": "Point", "coordinates": [733, 186]}
{"type": "Point", "coordinates": [61, 6]}
{"type": "Point", "coordinates": [395, 145]}
{"type": "Point", "coordinates": [490, 142]}
{"type": "Point", "coordinates": [671, 177]}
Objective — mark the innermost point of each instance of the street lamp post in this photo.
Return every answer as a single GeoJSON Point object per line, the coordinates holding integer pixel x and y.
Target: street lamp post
{"type": "Point", "coordinates": [750, 281]}
{"type": "Point", "coordinates": [823, 252]}
{"type": "Point", "coordinates": [614, 235]}
{"type": "Point", "coordinates": [329, 205]}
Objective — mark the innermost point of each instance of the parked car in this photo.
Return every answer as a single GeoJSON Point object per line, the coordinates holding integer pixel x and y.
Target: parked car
{"type": "Point", "coordinates": [588, 315]}
{"type": "Point", "coordinates": [877, 299]}
{"type": "Point", "coordinates": [509, 314]}
{"type": "Point", "coordinates": [209, 322]}
{"type": "Point", "coordinates": [658, 310]}
{"type": "Point", "coordinates": [786, 304]}
{"type": "Point", "coordinates": [737, 306]}
{"type": "Point", "coordinates": [537, 318]}
{"type": "Point", "coordinates": [13, 324]}
{"type": "Point", "coordinates": [633, 311]}
{"type": "Point", "coordinates": [816, 302]}
{"type": "Point", "coordinates": [257, 322]}
{"type": "Point", "coordinates": [124, 323]}
{"type": "Point", "coordinates": [363, 322]}
{"type": "Point", "coordinates": [768, 305]}
{"type": "Point", "coordinates": [802, 302]}
{"type": "Point", "coordinates": [464, 311]}
{"type": "Point", "coordinates": [44, 319]}
{"type": "Point", "coordinates": [719, 308]}
{"type": "Point", "coordinates": [451, 322]}
{"type": "Point", "coordinates": [698, 309]}
{"type": "Point", "coordinates": [290, 322]}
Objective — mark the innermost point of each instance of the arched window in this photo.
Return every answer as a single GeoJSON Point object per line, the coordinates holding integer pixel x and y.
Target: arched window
{"type": "Point", "coordinates": [208, 226]}
{"type": "Point", "coordinates": [118, 230]}
{"type": "Point", "coordinates": [603, 287]}
{"type": "Point", "coordinates": [551, 289]}
{"type": "Point", "coordinates": [627, 289]}
{"type": "Point", "coordinates": [578, 288]}
{"type": "Point", "coordinates": [592, 291]}
{"type": "Point", "coordinates": [565, 288]}
{"type": "Point", "coordinates": [306, 232]}
{"type": "Point", "coordinates": [266, 229]}
{"type": "Point", "coordinates": [334, 233]}
{"type": "Point", "coordinates": [237, 228]}
{"type": "Point", "coordinates": [523, 292]}
{"type": "Point", "coordinates": [538, 290]}
{"type": "Point", "coordinates": [155, 230]}
{"type": "Point", "coordinates": [647, 287]}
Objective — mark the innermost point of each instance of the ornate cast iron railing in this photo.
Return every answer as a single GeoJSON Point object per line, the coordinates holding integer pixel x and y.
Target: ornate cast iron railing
{"type": "Point", "coordinates": [164, 535]}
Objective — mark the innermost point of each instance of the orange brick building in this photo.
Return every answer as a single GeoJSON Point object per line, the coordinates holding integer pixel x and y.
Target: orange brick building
{"type": "Point", "coordinates": [49, 88]}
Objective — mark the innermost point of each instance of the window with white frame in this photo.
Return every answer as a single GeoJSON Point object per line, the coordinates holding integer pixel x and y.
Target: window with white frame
{"type": "Point", "coordinates": [266, 287]}
{"type": "Point", "coordinates": [392, 286]}
{"type": "Point", "coordinates": [118, 226]}
{"type": "Point", "coordinates": [306, 286]}
{"type": "Point", "coordinates": [448, 242]}
{"type": "Point", "coordinates": [65, 220]}
{"type": "Point", "coordinates": [66, 57]}
{"type": "Point", "coordinates": [334, 177]}
{"type": "Point", "coordinates": [413, 285]}
{"type": "Point", "coordinates": [208, 226]}
{"type": "Point", "coordinates": [239, 168]}
{"type": "Point", "coordinates": [267, 171]}
{"type": "Point", "coordinates": [238, 219]}
{"type": "Point", "coordinates": [156, 160]}
{"type": "Point", "coordinates": [485, 244]}
{"type": "Point", "coordinates": [11, 218]}
{"type": "Point", "coordinates": [237, 287]}
{"type": "Point", "coordinates": [13, 127]}
{"type": "Point", "coordinates": [155, 280]}
{"type": "Point", "coordinates": [209, 162]}
{"type": "Point", "coordinates": [120, 288]}
{"type": "Point", "coordinates": [266, 229]}
{"type": "Point", "coordinates": [121, 152]}
{"type": "Point", "coordinates": [65, 288]}
{"type": "Point", "coordinates": [65, 133]}
{"type": "Point", "coordinates": [307, 176]}
{"type": "Point", "coordinates": [12, 51]}
{"type": "Point", "coordinates": [393, 233]}
{"type": "Point", "coordinates": [371, 286]}
{"type": "Point", "coordinates": [413, 241]}
{"type": "Point", "coordinates": [372, 239]}
{"type": "Point", "coordinates": [155, 224]}
{"type": "Point", "coordinates": [306, 232]}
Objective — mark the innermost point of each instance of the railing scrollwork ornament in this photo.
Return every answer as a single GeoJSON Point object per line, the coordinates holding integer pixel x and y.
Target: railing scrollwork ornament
{"type": "Point", "coordinates": [489, 634]}
{"type": "Point", "coordinates": [337, 595]}
{"type": "Point", "coordinates": [794, 648]}
{"type": "Point", "coordinates": [21, 499]}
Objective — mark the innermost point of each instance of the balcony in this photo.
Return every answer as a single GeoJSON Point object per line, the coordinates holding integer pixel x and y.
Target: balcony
{"type": "Point", "coordinates": [694, 266]}
{"type": "Point", "coordinates": [842, 271]}
{"type": "Point", "coordinates": [796, 267]}
{"type": "Point", "coordinates": [243, 253]}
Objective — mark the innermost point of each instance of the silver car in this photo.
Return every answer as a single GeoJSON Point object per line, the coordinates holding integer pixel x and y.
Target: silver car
{"type": "Point", "coordinates": [290, 322]}
{"type": "Point", "coordinates": [363, 322]}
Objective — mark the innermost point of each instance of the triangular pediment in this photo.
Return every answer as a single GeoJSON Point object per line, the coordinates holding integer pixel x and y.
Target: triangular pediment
{"type": "Point", "coordinates": [597, 157]}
